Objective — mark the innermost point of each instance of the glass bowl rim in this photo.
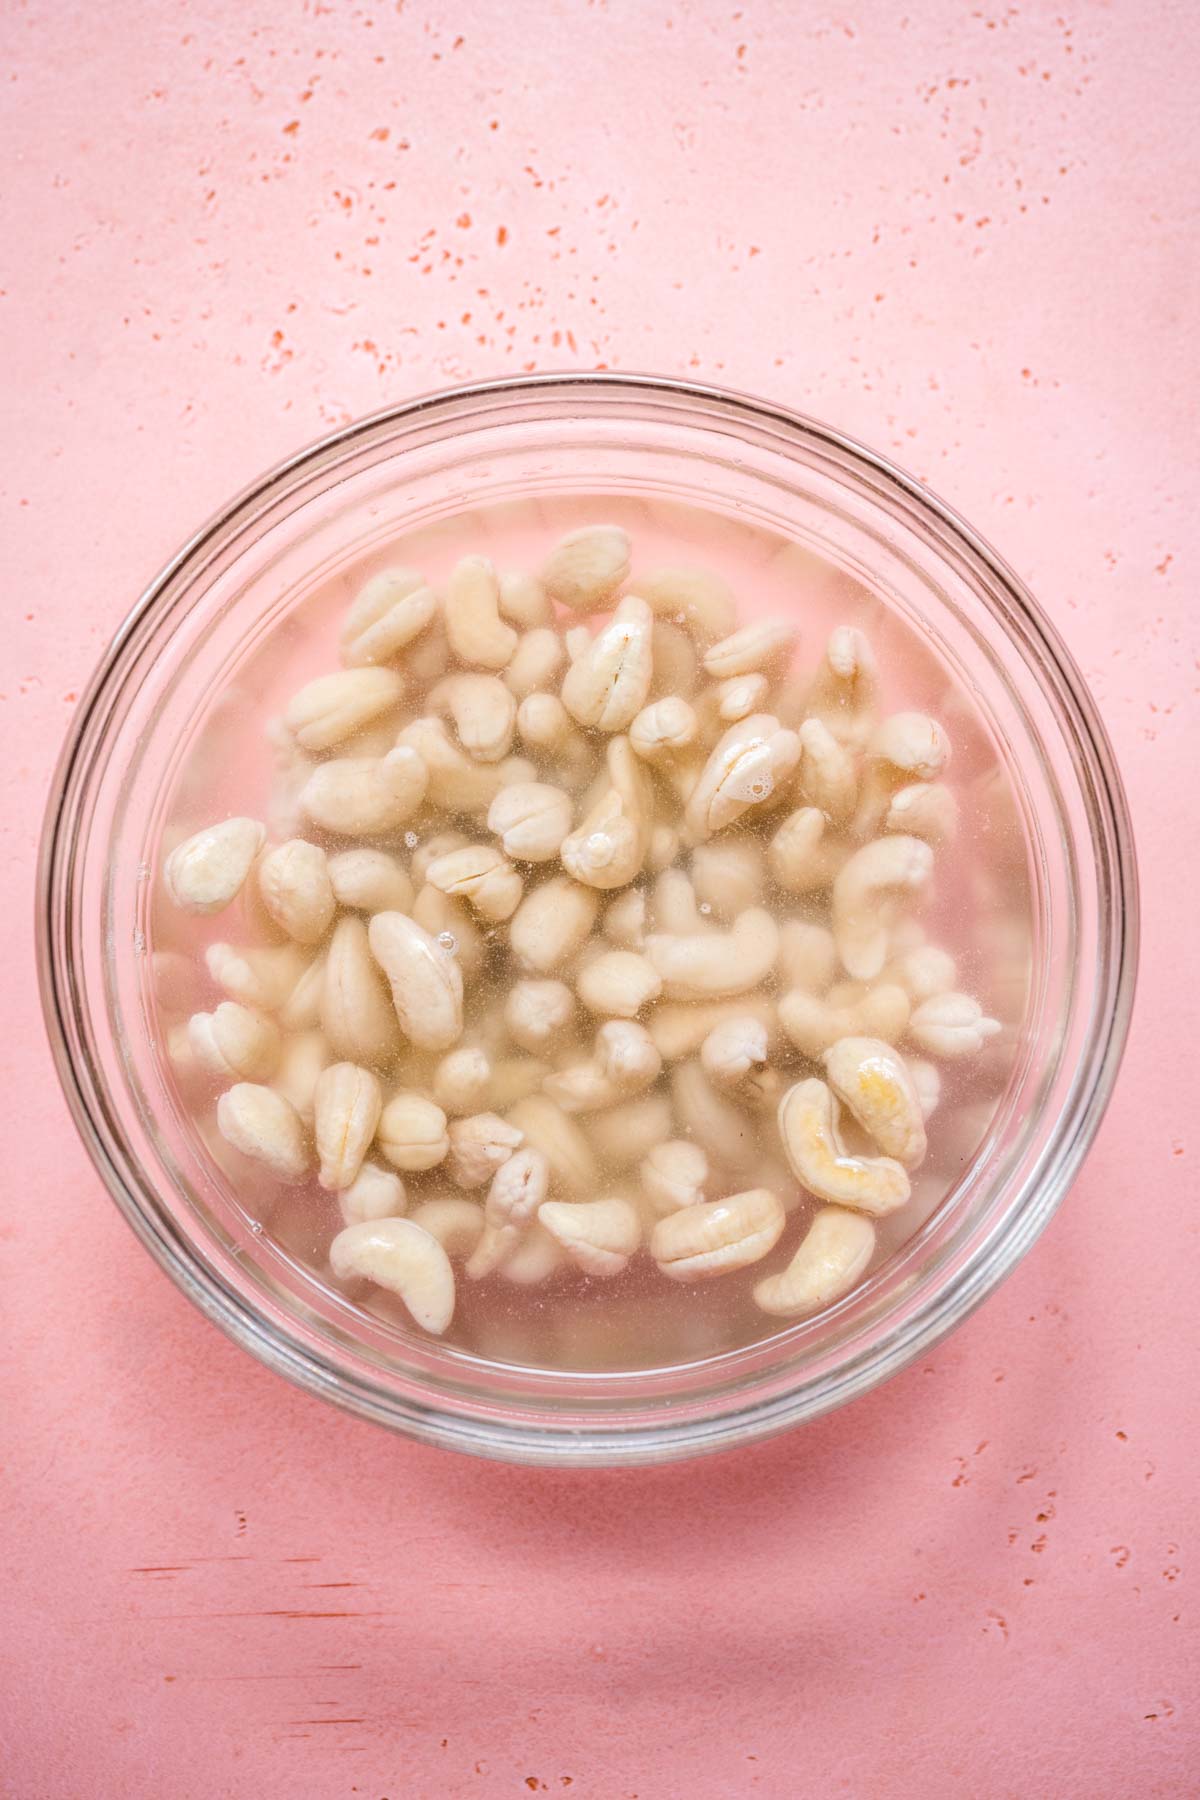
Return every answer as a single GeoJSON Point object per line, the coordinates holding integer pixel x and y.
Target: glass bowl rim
{"type": "Point", "coordinates": [547, 1441]}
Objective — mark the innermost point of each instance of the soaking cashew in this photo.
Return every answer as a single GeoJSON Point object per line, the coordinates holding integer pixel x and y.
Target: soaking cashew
{"type": "Point", "coordinates": [517, 1189]}
{"type": "Point", "coordinates": [369, 881]}
{"type": "Point", "coordinates": [552, 922]}
{"type": "Point", "coordinates": [304, 1056]}
{"type": "Point", "coordinates": [673, 1175]}
{"type": "Point", "coordinates": [585, 568]}
{"type": "Point", "coordinates": [873, 1082]}
{"type": "Point", "coordinates": [546, 1127]}
{"type": "Point", "coordinates": [524, 601]}
{"type": "Point", "coordinates": [808, 1132]}
{"type": "Point", "coordinates": [764, 644]}
{"type": "Point", "coordinates": [374, 1193]}
{"type": "Point", "coordinates": [334, 707]}
{"type": "Point", "coordinates": [356, 1015]}
{"type": "Point", "coordinates": [539, 1013]}
{"type": "Point", "coordinates": [455, 1221]}
{"type": "Point", "coordinates": [482, 876]}
{"type": "Point", "coordinates": [676, 664]}
{"type": "Point", "coordinates": [531, 819]}
{"type": "Point", "coordinates": [922, 972]}
{"type": "Point", "coordinates": [412, 1132]}
{"type": "Point", "coordinates": [926, 809]}
{"type": "Point", "coordinates": [599, 1236]}
{"type": "Point", "coordinates": [392, 610]}
{"type": "Point", "coordinates": [714, 1237]}
{"type": "Point", "coordinates": [450, 922]}
{"type": "Point", "coordinates": [734, 1056]}
{"type": "Point", "coordinates": [477, 634]}
{"type": "Point", "coordinates": [807, 955]}
{"type": "Point", "coordinates": [462, 1080]}
{"type": "Point", "coordinates": [234, 1041]}
{"type": "Point", "coordinates": [729, 1135]}
{"type": "Point", "coordinates": [618, 983]}
{"type": "Point", "coordinates": [740, 696]}
{"type": "Point", "coordinates": [478, 1146]}
{"type": "Point", "coordinates": [869, 891]}
{"type": "Point", "coordinates": [814, 1023]}
{"type": "Point", "coordinates": [544, 723]}
{"type": "Point", "coordinates": [425, 853]}
{"type": "Point", "coordinates": [536, 664]}
{"type": "Point", "coordinates": [746, 768]}
{"type": "Point", "coordinates": [263, 1125]}
{"type": "Point", "coordinates": [905, 748]}
{"type": "Point", "coordinates": [844, 690]}
{"type": "Point", "coordinates": [679, 1029]}
{"type": "Point", "coordinates": [624, 921]}
{"type": "Point", "coordinates": [697, 598]}
{"type": "Point", "coordinates": [455, 781]}
{"type": "Point", "coordinates": [623, 1134]}
{"type": "Point", "coordinates": [608, 685]}
{"type": "Point", "coordinates": [729, 875]}
{"type": "Point", "coordinates": [927, 1080]}
{"type": "Point", "coordinates": [347, 1103]}
{"type": "Point", "coordinates": [362, 796]}
{"type": "Point", "coordinates": [675, 911]}
{"type": "Point", "coordinates": [828, 774]}
{"type": "Point", "coordinates": [665, 725]}
{"type": "Point", "coordinates": [397, 1255]}
{"type": "Point", "coordinates": [623, 1062]}
{"type": "Point", "coordinates": [483, 711]}
{"type": "Point", "coordinates": [713, 964]}
{"type": "Point", "coordinates": [203, 874]}
{"type": "Point", "coordinates": [259, 977]}
{"type": "Point", "coordinates": [951, 1025]}
{"type": "Point", "coordinates": [803, 855]}
{"type": "Point", "coordinates": [427, 989]}
{"type": "Point", "coordinates": [535, 1260]}
{"type": "Point", "coordinates": [296, 889]}
{"type": "Point", "coordinates": [833, 1255]}
{"type": "Point", "coordinates": [609, 847]}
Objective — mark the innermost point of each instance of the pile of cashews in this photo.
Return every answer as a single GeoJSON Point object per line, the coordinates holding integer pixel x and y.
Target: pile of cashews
{"type": "Point", "coordinates": [571, 942]}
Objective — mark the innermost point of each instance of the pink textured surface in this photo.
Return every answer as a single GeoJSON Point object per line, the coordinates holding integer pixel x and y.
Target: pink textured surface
{"type": "Point", "coordinates": [966, 234]}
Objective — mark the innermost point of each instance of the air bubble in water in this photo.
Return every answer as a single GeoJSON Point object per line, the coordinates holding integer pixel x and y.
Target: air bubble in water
{"type": "Point", "coordinates": [256, 1227]}
{"type": "Point", "coordinates": [448, 942]}
{"type": "Point", "coordinates": [705, 908]}
{"type": "Point", "coordinates": [411, 840]}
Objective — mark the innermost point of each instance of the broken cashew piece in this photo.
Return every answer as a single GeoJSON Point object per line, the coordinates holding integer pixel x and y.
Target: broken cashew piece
{"type": "Point", "coordinates": [714, 1237]}
{"type": "Point", "coordinates": [481, 875]}
{"type": "Point", "coordinates": [665, 725]}
{"type": "Point", "coordinates": [412, 1132]}
{"type": "Point", "coordinates": [832, 1256]}
{"type": "Point", "coordinates": [234, 1041]}
{"type": "Point", "coordinates": [531, 819]}
{"type": "Point", "coordinates": [808, 1130]}
{"type": "Point", "coordinates": [398, 1255]}
{"type": "Point", "coordinates": [479, 1145]}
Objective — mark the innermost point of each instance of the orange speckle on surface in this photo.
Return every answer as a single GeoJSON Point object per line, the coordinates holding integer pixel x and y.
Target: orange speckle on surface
{"type": "Point", "coordinates": [463, 221]}
{"type": "Point", "coordinates": [291, 128]}
{"type": "Point", "coordinates": [502, 234]}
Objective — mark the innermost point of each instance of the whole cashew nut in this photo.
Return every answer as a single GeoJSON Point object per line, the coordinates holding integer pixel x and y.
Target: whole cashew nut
{"type": "Point", "coordinates": [599, 1236]}
{"type": "Point", "coordinates": [476, 632]}
{"type": "Point", "coordinates": [713, 964]}
{"type": "Point", "coordinates": [747, 767]}
{"type": "Point", "coordinates": [427, 989]}
{"type": "Point", "coordinates": [608, 685]}
{"type": "Point", "coordinates": [832, 1256]}
{"type": "Point", "coordinates": [586, 567]}
{"type": "Point", "coordinates": [398, 1255]}
{"type": "Point", "coordinates": [714, 1237]}
{"type": "Point", "coordinates": [808, 1130]}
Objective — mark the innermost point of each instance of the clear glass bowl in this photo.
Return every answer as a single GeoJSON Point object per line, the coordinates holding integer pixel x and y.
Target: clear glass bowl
{"type": "Point", "coordinates": [426, 461]}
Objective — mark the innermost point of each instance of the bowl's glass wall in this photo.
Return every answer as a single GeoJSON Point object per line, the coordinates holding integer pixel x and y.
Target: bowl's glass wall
{"type": "Point", "coordinates": [178, 677]}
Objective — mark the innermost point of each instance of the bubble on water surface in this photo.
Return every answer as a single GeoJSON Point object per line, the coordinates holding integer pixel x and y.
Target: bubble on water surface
{"type": "Point", "coordinates": [448, 942]}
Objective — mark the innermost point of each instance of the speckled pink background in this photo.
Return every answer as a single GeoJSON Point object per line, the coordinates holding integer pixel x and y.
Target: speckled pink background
{"type": "Point", "coordinates": [966, 234]}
